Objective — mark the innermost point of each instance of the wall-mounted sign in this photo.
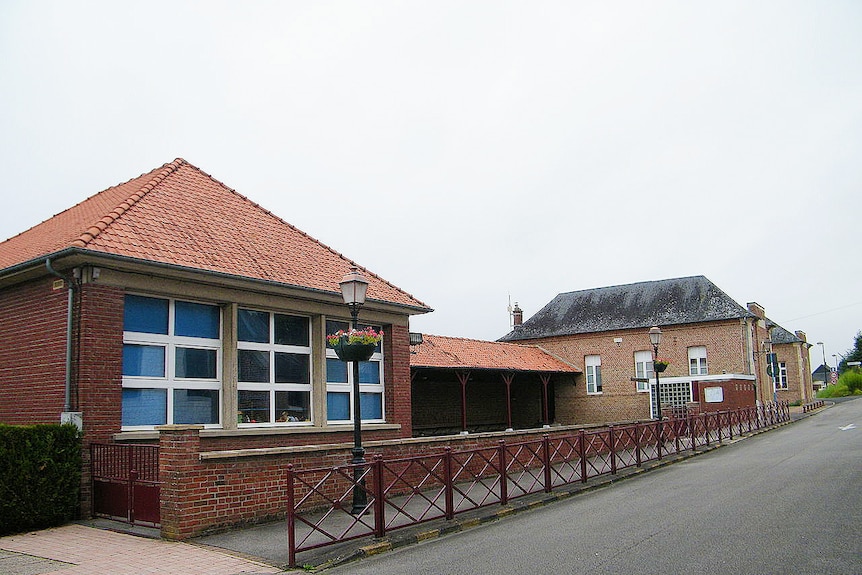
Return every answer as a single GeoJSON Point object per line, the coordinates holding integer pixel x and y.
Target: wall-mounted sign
{"type": "Point", "coordinates": [713, 394]}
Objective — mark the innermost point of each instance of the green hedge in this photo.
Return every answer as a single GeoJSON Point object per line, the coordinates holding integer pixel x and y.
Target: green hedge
{"type": "Point", "coordinates": [40, 476]}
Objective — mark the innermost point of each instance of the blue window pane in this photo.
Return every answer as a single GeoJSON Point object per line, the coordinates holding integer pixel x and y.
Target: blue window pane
{"type": "Point", "coordinates": [371, 405]}
{"type": "Point", "coordinates": [196, 320]}
{"type": "Point", "coordinates": [145, 314]}
{"type": "Point", "coordinates": [291, 330]}
{"type": "Point", "coordinates": [145, 407]}
{"type": "Point", "coordinates": [291, 368]}
{"type": "Point", "coordinates": [369, 372]}
{"type": "Point", "coordinates": [143, 360]}
{"type": "Point", "coordinates": [253, 326]}
{"type": "Point", "coordinates": [196, 406]}
{"type": "Point", "coordinates": [336, 370]}
{"type": "Point", "coordinates": [253, 366]}
{"type": "Point", "coordinates": [194, 363]}
{"type": "Point", "coordinates": [337, 406]}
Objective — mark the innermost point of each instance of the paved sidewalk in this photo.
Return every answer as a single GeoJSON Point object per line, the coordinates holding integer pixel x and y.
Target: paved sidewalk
{"type": "Point", "coordinates": [81, 550]}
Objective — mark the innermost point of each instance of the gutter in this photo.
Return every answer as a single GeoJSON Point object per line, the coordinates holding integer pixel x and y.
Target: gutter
{"type": "Point", "coordinates": [69, 304]}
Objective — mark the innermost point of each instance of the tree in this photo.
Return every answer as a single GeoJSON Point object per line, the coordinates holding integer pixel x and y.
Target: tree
{"type": "Point", "coordinates": [854, 354]}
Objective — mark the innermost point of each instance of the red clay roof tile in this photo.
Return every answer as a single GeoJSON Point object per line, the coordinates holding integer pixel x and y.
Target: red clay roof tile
{"type": "Point", "coordinates": [179, 215]}
{"type": "Point", "coordinates": [459, 353]}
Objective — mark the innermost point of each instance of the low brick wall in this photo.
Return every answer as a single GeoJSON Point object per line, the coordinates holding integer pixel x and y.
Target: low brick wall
{"type": "Point", "coordinates": [206, 491]}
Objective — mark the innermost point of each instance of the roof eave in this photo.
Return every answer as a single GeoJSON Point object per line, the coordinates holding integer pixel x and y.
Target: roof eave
{"type": "Point", "coordinates": [75, 257]}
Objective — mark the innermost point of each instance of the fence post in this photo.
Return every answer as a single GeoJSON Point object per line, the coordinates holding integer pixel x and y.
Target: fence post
{"type": "Point", "coordinates": [582, 453]}
{"type": "Point", "coordinates": [676, 424]}
{"type": "Point", "coordinates": [504, 480]}
{"type": "Point", "coordinates": [448, 483]}
{"type": "Point", "coordinates": [379, 502]}
{"type": "Point", "coordinates": [613, 449]}
{"type": "Point", "coordinates": [706, 427]}
{"type": "Point", "coordinates": [658, 436]}
{"type": "Point", "coordinates": [638, 444]}
{"type": "Point", "coordinates": [291, 517]}
{"type": "Point", "coordinates": [718, 416]}
{"type": "Point", "coordinates": [546, 445]}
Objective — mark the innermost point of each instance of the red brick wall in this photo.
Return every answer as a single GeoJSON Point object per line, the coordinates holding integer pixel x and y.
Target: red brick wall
{"type": "Point", "coordinates": [396, 372]}
{"type": "Point", "coordinates": [32, 352]}
{"type": "Point", "coordinates": [738, 394]}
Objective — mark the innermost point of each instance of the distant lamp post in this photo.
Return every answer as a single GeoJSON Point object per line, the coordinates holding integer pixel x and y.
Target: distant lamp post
{"type": "Point", "coordinates": [825, 367]}
{"type": "Point", "coordinates": [353, 289]}
{"type": "Point", "coordinates": [655, 339]}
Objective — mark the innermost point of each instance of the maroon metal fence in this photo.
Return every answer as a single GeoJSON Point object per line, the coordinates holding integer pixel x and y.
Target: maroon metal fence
{"type": "Point", "coordinates": [126, 482]}
{"type": "Point", "coordinates": [411, 490]}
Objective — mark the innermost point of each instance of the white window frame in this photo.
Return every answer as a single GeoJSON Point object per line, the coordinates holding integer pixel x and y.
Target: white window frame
{"type": "Point", "coordinates": [697, 363]}
{"type": "Point", "coordinates": [170, 342]}
{"type": "Point", "coordinates": [644, 370]}
{"type": "Point", "coordinates": [593, 371]}
{"type": "Point", "coordinates": [781, 380]}
{"type": "Point", "coordinates": [271, 386]}
{"type": "Point", "coordinates": [347, 387]}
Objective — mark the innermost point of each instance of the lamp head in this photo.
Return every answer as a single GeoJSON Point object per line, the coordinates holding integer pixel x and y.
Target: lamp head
{"type": "Point", "coordinates": [353, 287]}
{"type": "Point", "coordinates": [655, 335]}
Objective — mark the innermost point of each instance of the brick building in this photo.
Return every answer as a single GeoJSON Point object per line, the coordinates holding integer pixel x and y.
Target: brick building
{"type": "Point", "coordinates": [172, 299]}
{"type": "Point", "coordinates": [715, 347]}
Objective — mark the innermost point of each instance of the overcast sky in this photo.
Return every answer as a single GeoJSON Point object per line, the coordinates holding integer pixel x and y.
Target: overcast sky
{"type": "Point", "coordinates": [475, 151]}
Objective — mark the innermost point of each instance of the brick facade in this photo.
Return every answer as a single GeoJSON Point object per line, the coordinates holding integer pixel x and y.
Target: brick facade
{"type": "Point", "coordinates": [32, 352]}
{"type": "Point", "coordinates": [619, 400]}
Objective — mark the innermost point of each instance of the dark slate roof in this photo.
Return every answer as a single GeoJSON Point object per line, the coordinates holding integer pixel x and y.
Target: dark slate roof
{"type": "Point", "coordinates": [778, 334]}
{"type": "Point", "coordinates": [640, 305]}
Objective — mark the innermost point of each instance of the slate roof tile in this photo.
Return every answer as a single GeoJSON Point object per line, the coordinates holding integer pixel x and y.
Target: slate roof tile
{"type": "Point", "coordinates": [179, 215]}
{"type": "Point", "coordinates": [640, 305]}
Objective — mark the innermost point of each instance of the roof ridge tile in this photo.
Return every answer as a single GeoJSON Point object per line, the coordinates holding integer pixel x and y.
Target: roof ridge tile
{"type": "Point", "coordinates": [102, 224]}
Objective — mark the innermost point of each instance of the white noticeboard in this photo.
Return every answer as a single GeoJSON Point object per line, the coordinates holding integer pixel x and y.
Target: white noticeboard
{"type": "Point", "coordinates": [713, 394]}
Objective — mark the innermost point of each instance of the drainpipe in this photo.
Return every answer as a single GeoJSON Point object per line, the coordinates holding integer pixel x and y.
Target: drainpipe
{"type": "Point", "coordinates": [68, 380]}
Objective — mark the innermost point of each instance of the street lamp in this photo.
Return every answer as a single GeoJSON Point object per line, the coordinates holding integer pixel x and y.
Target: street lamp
{"type": "Point", "coordinates": [353, 289]}
{"type": "Point", "coordinates": [823, 349]}
{"type": "Point", "coordinates": [655, 339]}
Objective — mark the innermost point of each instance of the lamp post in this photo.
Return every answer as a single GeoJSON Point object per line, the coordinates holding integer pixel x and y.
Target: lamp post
{"type": "Point", "coordinates": [353, 289]}
{"type": "Point", "coordinates": [823, 349]}
{"type": "Point", "coordinates": [655, 339]}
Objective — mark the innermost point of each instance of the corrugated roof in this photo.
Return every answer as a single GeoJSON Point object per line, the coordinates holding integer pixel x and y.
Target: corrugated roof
{"type": "Point", "coordinates": [179, 215]}
{"type": "Point", "coordinates": [458, 353]}
{"type": "Point", "coordinates": [640, 305]}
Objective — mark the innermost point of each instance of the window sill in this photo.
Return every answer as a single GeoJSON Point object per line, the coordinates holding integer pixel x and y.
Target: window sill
{"type": "Point", "coordinates": [259, 431]}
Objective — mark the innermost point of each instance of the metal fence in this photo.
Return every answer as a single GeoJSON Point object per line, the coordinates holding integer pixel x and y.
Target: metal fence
{"type": "Point", "coordinates": [126, 482]}
{"type": "Point", "coordinates": [406, 491]}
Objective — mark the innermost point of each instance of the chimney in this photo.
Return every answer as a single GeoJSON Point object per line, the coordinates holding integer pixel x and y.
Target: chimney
{"type": "Point", "coordinates": [801, 335]}
{"type": "Point", "coordinates": [757, 310]}
{"type": "Point", "coordinates": [517, 315]}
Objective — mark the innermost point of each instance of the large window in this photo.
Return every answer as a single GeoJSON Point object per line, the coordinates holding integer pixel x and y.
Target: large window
{"type": "Point", "coordinates": [697, 361]}
{"type": "Point", "coordinates": [643, 369]}
{"type": "Point", "coordinates": [274, 368]}
{"type": "Point", "coordinates": [171, 362]}
{"type": "Point", "coordinates": [593, 365]}
{"type": "Point", "coordinates": [339, 382]}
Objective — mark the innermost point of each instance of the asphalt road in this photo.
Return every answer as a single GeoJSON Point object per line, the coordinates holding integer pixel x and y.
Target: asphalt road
{"type": "Point", "coordinates": [788, 501]}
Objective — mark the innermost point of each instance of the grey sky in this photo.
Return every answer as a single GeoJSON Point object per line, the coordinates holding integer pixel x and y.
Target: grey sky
{"type": "Point", "coordinates": [469, 151]}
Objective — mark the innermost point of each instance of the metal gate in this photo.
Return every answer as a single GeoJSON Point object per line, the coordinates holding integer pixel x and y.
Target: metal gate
{"type": "Point", "coordinates": [126, 482]}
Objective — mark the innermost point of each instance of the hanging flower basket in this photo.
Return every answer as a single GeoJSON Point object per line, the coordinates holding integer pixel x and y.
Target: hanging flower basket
{"type": "Point", "coordinates": [660, 365]}
{"type": "Point", "coordinates": [355, 345]}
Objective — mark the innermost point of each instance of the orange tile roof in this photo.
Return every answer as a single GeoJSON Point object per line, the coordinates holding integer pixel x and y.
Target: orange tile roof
{"type": "Point", "coordinates": [179, 215]}
{"type": "Point", "coordinates": [458, 353]}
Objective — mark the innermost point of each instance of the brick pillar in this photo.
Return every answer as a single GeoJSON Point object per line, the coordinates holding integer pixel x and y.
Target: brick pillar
{"type": "Point", "coordinates": [179, 466]}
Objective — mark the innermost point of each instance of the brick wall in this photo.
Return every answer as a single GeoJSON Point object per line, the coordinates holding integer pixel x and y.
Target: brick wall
{"type": "Point", "coordinates": [737, 394]}
{"type": "Point", "coordinates": [619, 400]}
{"type": "Point", "coordinates": [32, 352]}
{"type": "Point", "coordinates": [396, 369]}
